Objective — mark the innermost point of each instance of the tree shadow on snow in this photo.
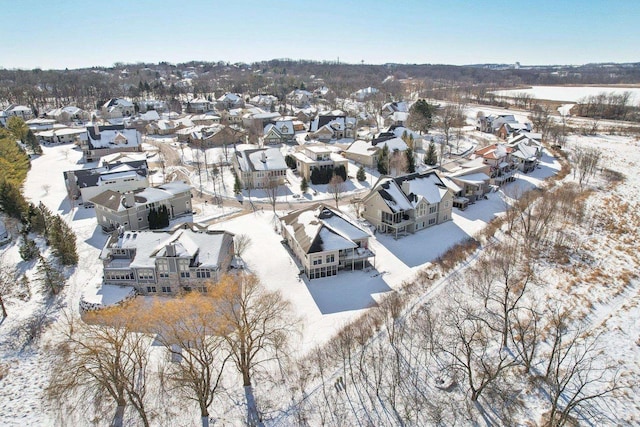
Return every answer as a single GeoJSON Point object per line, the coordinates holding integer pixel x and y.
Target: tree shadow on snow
{"type": "Point", "coordinates": [348, 290]}
{"type": "Point", "coordinates": [98, 238]}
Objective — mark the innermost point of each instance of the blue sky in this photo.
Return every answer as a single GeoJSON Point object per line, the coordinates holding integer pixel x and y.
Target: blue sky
{"type": "Point", "coordinates": [73, 34]}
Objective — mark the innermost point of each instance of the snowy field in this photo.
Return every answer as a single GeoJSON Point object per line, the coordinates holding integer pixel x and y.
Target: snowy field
{"type": "Point", "coordinates": [570, 93]}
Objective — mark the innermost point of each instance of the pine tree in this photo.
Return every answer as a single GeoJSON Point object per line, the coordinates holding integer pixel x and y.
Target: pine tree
{"type": "Point", "coordinates": [49, 276]}
{"type": "Point", "coordinates": [237, 189]}
{"type": "Point", "coordinates": [32, 142]}
{"type": "Point", "coordinates": [361, 176]}
{"type": "Point", "coordinates": [411, 161]}
{"type": "Point", "coordinates": [383, 160]}
{"type": "Point", "coordinates": [12, 202]}
{"type": "Point", "coordinates": [28, 249]}
{"type": "Point", "coordinates": [304, 185]}
{"type": "Point", "coordinates": [153, 219]}
{"type": "Point", "coordinates": [431, 158]}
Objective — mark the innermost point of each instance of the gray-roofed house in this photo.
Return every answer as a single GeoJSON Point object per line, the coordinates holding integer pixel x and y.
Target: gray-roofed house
{"type": "Point", "coordinates": [116, 108]}
{"type": "Point", "coordinates": [130, 210]}
{"type": "Point", "coordinates": [408, 203]}
{"type": "Point", "coordinates": [103, 140]}
{"type": "Point", "coordinates": [189, 257]}
{"type": "Point", "coordinates": [279, 132]}
{"type": "Point", "coordinates": [259, 167]}
{"type": "Point", "coordinates": [324, 240]}
{"type": "Point", "coordinates": [119, 172]}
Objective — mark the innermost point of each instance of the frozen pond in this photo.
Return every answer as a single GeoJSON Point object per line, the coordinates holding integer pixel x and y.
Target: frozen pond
{"type": "Point", "coordinates": [571, 93]}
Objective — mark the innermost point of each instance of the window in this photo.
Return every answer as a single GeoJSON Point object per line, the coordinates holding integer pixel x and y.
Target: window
{"type": "Point", "coordinates": [422, 210]}
{"type": "Point", "coordinates": [145, 275]}
{"type": "Point", "coordinates": [185, 274]}
{"type": "Point", "coordinates": [433, 209]}
{"type": "Point", "coordinates": [163, 268]}
{"type": "Point", "coordinates": [432, 221]}
{"type": "Point", "coordinates": [166, 289]}
{"type": "Point", "coordinates": [317, 261]}
{"type": "Point", "coordinates": [151, 289]}
{"type": "Point", "coordinates": [203, 274]}
{"type": "Point", "coordinates": [330, 258]}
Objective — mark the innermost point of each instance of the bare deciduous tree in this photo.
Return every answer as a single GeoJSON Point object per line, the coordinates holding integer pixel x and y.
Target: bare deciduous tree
{"type": "Point", "coordinates": [577, 376]}
{"type": "Point", "coordinates": [336, 188]}
{"type": "Point", "coordinates": [190, 329]}
{"type": "Point", "coordinates": [586, 161]}
{"type": "Point", "coordinates": [272, 189]}
{"type": "Point", "coordinates": [259, 326]}
{"type": "Point", "coordinates": [103, 358]}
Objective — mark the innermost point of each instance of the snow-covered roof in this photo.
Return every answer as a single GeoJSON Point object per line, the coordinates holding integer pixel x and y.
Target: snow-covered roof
{"type": "Point", "coordinates": [205, 249]}
{"type": "Point", "coordinates": [320, 228]}
{"type": "Point", "coordinates": [115, 201]}
{"type": "Point", "coordinates": [406, 192]}
{"type": "Point", "coordinates": [363, 148]}
{"type": "Point", "coordinates": [260, 159]}
{"type": "Point", "coordinates": [393, 144]}
{"type": "Point", "coordinates": [108, 136]}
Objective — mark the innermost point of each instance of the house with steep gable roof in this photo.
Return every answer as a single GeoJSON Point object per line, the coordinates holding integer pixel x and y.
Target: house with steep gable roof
{"type": "Point", "coordinates": [324, 240]}
{"type": "Point", "coordinates": [103, 140]}
{"type": "Point", "coordinates": [408, 203]}
{"type": "Point", "coordinates": [280, 132]}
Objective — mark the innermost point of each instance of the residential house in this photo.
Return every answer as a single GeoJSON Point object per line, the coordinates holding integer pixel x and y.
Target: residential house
{"type": "Point", "coordinates": [153, 105]}
{"type": "Point", "coordinates": [299, 98]}
{"type": "Point", "coordinates": [526, 151]}
{"type": "Point", "coordinates": [323, 240]}
{"type": "Point", "coordinates": [230, 101]}
{"type": "Point", "coordinates": [498, 157]}
{"type": "Point", "coordinates": [189, 257]}
{"type": "Point", "coordinates": [130, 210]}
{"type": "Point", "coordinates": [211, 136]}
{"type": "Point", "coordinates": [67, 114]}
{"type": "Point", "coordinates": [121, 172]}
{"type": "Point", "coordinates": [472, 177]}
{"type": "Point", "coordinates": [408, 203]}
{"type": "Point", "coordinates": [267, 101]}
{"type": "Point", "coordinates": [317, 156]}
{"type": "Point", "coordinates": [365, 93]}
{"type": "Point", "coordinates": [39, 124]}
{"type": "Point", "coordinates": [116, 108]}
{"type": "Point", "coordinates": [280, 132]}
{"type": "Point", "coordinates": [103, 140]}
{"type": "Point", "coordinates": [162, 127]}
{"type": "Point", "coordinates": [327, 127]}
{"type": "Point", "coordinates": [259, 167]}
{"type": "Point", "coordinates": [22, 111]}
{"type": "Point", "coordinates": [256, 118]}
{"type": "Point", "coordinates": [509, 128]}
{"type": "Point", "coordinates": [198, 106]}
{"type": "Point", "coordinates": [61, 135]}
{"type": "Point", "coordinates": [363, 153]}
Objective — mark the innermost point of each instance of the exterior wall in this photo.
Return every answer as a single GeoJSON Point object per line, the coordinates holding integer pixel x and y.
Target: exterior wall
{"type": "Point", "coordinates": [367, 161]}
{"type": "Point", "coordinates": [96, 153]}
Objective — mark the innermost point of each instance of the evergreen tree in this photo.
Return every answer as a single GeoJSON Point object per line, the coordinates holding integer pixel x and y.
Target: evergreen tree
{"type": "Point", "coordinates": [237, 188]}
{"type": "Point", "coordinates": [421, 116]}
{"type": "Point", "coordinates": [304, 185]}
{"type": "Point", "coordinates": [383, 160]}
{"type": "Point", "coordinates": [49, 276]}
{"type": "Point", "coordinates": [341, 171]}
{"type": "Point", "coordinates": [411, 161]}
{"type": "Point", "coordinates": [12, 201]}
{"type": "Point", "coordinates": [290, 161]}
{"type": "Point", "coordinates": [32, 142]}
{"type": "Point", "coordinates": [153, 219]}
{"type": "Point", "coordinates": [163, 217]}
{"type": "Point", "coordinates": [431, 157]}
{"type": "Point", "coordinates": [361, 176]}
{"type": "Point", "coordinates": [63, 241]}
{"type": "Point", "coordinates": [28, 249]}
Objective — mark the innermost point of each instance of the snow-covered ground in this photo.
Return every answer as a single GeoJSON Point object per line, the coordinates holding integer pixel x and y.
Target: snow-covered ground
{"type": "Point", "coordinates": [571, 93]}
{"type": "Point", "coordinates": [323, 305]}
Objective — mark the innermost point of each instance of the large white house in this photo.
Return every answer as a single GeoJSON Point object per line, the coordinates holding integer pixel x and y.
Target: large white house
{"type": "Point", "coordinates": [189, 257]}
{"type": "Point", "coordinates": [324, 240]}
{"type": "Point", "coordinates": [317, 156]}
